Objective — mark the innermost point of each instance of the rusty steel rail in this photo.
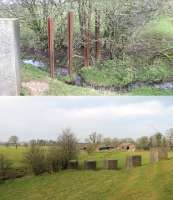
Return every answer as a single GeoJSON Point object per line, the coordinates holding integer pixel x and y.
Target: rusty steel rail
{"type": "Point", "coordinates": [51, 50]}
{"type": "Point", "coordinates": [97, 36]}
{"type": "Point", "coordinates": [70, 33]}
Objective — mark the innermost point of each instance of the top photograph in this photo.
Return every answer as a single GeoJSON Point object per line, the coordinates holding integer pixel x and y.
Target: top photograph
{"type": "Point", "coordinates": [86, 47]}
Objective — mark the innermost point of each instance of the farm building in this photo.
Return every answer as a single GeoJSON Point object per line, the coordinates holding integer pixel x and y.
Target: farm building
{"type": "Point", "coordinates": [126, 147]}
{"type": "Point", "coordinates": [82, 146]}
{"type": "Point", "coordinates": [106, 148]}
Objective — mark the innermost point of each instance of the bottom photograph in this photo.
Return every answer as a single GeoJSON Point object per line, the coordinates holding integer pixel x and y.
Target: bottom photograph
{"type": "Point", "coordinates": [86, 148]}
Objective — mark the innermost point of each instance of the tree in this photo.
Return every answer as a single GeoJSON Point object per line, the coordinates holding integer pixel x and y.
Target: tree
{"type": "Point", "coordinates": [169, 135]}
{"type": "Point", "coordinates": [94, 138]}
{"type": "Point", "coordinates": [67, 144]}
{"type": "Point", "coordinates": [5, 165]}
{"type": "Point", "coordinates": [115, 142]}
{"type": "Point", "coordinates": [143, 143]}
{"type": "Point", "coordinates": [13, 140]}
{"type": "Point", "coordinates": [158, 140]}
{"type": "Point", "coordinates": [36, 159]}
{"type": "Point", "coordinates": [33, 18]}
{"type": "Point", "coordinates": [107, 141]}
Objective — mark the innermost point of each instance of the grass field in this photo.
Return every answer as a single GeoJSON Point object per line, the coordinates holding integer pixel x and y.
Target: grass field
{"type": "Point", "coordinates": [149, 182]}
{"type": "Point", "coordinates": [16, 156]}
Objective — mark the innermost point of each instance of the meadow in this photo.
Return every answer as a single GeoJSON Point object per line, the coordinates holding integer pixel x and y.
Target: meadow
{"type": "Point", "coordinates": [149, 182]}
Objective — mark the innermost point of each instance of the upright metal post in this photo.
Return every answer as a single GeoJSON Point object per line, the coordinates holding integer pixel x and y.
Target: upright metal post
{"type": "Point", "coordinates": [51, 49]}
{"type": "Point", "coordinates": [97, 36]}
{"type": "Point", "coordinates": [70, 40]}
{"type": "Point", "coordinates": [87, 40]}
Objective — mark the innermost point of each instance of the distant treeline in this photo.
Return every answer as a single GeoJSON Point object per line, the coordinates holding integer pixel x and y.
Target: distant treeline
{"type": "Point", "coordinates": [95, 139]}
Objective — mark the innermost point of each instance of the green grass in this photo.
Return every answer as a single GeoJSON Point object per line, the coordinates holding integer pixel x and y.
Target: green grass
{"type": "Point", "coordinates": [110, 73]}
{"type": "Point", "coordinates": [121, 72]}
{"type": "Point", "coordinates": [30, 73]}
{"type": "Point", "coordinates": [56, 87]}
{"type": "Point", "coordinates": [120, 156]}
{"type": "Point", "coordinates": [162, 27]}
{"type": "Point", "coordinates": [113, 73]}
{"type": "Point", "coordinates": [148, 91]}
{"type": "Point", "coordinates": [14, 155]}
{"type": "Point", "coordinates": [149, 182]}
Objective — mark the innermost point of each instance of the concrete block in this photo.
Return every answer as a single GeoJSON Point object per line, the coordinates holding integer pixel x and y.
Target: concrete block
{"type": "Point", "coordinates": [90, 164]}
{"type": "Point", "coordinates": [111, 164]}
{"type": "Point", "coordinates": [73, 164]}
{"type": "Point", "coordinates": [9, 57]}
{"type": "Point", "coordinates": [133, 161]}
{"type": "Point", "coordinates": [158, 153]}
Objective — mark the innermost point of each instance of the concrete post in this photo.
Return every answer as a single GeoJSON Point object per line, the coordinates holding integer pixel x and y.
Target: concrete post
{"type": "Point", "coordinates": [9, 57]}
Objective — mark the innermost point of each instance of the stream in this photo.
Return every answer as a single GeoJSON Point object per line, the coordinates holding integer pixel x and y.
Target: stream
{"type": "Point", "coordinates": [63, 71]}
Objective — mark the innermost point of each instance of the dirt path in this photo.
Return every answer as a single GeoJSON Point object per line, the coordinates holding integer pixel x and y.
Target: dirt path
{"type": "Point", "coordinates": [36, 88]}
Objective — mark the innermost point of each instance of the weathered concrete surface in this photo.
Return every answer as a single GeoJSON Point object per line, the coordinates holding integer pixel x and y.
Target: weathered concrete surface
{"type": "Point", "coordinates": [90, 164]}
{"type": "Point", "coordinates": [111, 164]}
{"type": "Point", "coordinates": [73, 164]}
{"type": "Point", "coordinates": [9, 57]}
{"type": "Point", "coordinates": [158, 153]}
{"type": "Point", "coordinates": [133, 161]}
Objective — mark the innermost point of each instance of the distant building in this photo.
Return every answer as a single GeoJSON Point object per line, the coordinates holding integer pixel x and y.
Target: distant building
{"type": "Point", "coordinates": [106, 148]}
{"type": "Point", "coordinates": [82, 146]}
{"type": "Point", "coordinates": [126, 147]}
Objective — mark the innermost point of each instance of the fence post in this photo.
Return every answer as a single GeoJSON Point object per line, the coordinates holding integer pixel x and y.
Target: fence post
{"type": "Point", "coordinates": [51, 49]}
{"type": "Point", "coordinates": [97, 35]}
{"type": "Point", "coordinates": [70, 40]}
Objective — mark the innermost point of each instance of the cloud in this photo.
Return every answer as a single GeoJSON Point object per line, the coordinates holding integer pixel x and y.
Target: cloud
{"type": "Point", "coordinates": [45, 117]}
{"type": "Point", "coordinates": [128, 110]}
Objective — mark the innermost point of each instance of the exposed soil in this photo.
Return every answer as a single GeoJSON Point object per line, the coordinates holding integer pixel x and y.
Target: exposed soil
{"type": "Point", "coordinates": [36, 88]}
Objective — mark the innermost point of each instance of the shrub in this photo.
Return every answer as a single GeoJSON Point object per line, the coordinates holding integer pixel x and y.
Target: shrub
{"type": "Point", "coordinates": [36, 159]}
{"type": "Point", "coordinates": [67, 144]}
{"type": "Point", "coordinates": [5, 165]}
{"type": "Point", "coordinates": [54, 159]}
{"type": "Point", "coordinates": [123, 72]}
{"type": "Point", "coordinates": [155, 72]}
{"type": "Point", "coordinates": [91, 148]}
{"type": "Point", "coordinates": [111, 73]}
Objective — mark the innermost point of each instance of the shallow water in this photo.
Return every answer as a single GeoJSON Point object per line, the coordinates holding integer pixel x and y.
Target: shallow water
{"type": "Point", "coordinates": [63, 71]}
{"type": "Point", "coordinates": [161, 85]}
{"type": "Point", "coordinates": [35, 63]}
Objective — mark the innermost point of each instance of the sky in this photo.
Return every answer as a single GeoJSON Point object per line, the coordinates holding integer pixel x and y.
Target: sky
{"type": "Point", "coordinates": [120, 117]}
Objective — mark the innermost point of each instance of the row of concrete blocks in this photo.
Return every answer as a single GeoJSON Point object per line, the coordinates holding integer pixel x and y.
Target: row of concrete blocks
{"type": "Point", "coordinates": [131, 161]}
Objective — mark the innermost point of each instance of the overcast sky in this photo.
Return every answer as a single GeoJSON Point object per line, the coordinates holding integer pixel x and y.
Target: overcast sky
{"type": "Point", "coordinates": [45, 117]}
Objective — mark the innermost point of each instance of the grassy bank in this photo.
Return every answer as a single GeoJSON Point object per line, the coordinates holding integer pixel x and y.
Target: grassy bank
{"type": "Point", "coordinates": [58, 88]}
{"type": "Point", "coordinates": [149, 182]}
